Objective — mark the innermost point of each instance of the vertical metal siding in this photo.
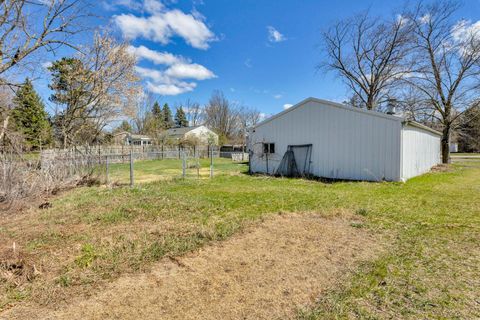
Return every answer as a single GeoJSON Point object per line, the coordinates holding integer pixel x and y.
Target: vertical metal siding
{"type": "Point", "coordinates": [346, 144]}
{"type": "Point", "coordinates": [420, 151]}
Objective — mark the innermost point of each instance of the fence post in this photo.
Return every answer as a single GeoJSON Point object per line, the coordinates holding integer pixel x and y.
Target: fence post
{"type": "Point", "coordinates": [106, 169]}
{"type": "Point", "coordinates": [131, 168]}
{"type": "Point", "coordinates": [197, 163]}
{"type": "Point", "coordinates": [211, 162]}
{"type": "Point", "coordinates": [184, 164]}
{"type": "Point", "coordinates": [250, 155]}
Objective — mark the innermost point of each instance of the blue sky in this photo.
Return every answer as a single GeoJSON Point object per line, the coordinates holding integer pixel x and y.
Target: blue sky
{"type": "Point", "coordinates": [262, 54]}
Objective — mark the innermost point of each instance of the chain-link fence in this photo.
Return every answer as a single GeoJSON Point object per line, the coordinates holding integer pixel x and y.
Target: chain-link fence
{"type": "Point", "coordinates": [22, 178]}
{"type": "Point", "coordinates": [153, 166]}
{"type": "Point", "coordinates": [139, 165]}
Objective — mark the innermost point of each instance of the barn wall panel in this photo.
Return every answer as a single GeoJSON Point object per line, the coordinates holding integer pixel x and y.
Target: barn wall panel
{"type": "Point", "coordinates": [420, 151]}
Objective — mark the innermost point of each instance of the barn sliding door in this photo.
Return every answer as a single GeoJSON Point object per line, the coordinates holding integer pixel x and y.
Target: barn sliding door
{"type": "Point", "coordinates": [296, 161]}
{"type": "Point", "coordinates": [303, 156]}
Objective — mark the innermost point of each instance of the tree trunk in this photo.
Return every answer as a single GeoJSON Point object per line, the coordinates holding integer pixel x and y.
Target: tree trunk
{"type": "Point", "coordinates": [445, 143]}
{"type": "Point", "coordinates": [4, 127]}
{"type": "Point", "coordinates": [370, 104]}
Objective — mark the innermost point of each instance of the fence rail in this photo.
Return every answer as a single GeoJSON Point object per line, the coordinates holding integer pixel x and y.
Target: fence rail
{"type": "Point", "coordinates": [202, 151]}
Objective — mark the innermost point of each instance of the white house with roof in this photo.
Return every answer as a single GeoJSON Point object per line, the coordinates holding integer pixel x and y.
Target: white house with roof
{"type": "Point", "coordinates": [326, 139]}
{"type": "Point", "coordinates": [130, 139]}
{"type": "Point", "coordinates": [199, 134]}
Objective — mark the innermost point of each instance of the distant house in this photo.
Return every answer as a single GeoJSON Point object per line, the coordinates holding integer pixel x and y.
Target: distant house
{"type": "Point", "coordinates": [128, 139]}
{"type": "Point", "coordinates": [199, 135]}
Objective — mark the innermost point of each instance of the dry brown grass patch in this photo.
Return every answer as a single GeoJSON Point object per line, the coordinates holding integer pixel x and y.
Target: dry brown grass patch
{"type": "Point", "coordinates": [267, 271]}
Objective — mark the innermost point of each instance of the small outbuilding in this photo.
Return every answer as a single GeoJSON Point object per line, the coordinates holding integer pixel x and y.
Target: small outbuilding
{"type": "Point", "coordinates": [332, 140]}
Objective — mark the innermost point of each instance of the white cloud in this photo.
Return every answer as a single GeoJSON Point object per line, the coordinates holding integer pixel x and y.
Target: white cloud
{"type": "Point", "coordinates": [262, 116]}
{"type": "Point", "coordinates": [278, 96]}
{"type": "Point", "coordinates": [155, 75]}
{"type": "Point", "coordinates": [151, 28]}
{"type": "Point", "coordinates": [425, 18]}
{"type": "Point", "coordinates": [248, 63]}
{"type": "Point", "coordinates": [171, 89]}
{"type": "Point", "coordinates": [189, 71]}
{"type": "Point", "coordinates": [191, 28]}
{"type": "Point", "coordinates": [466, 30]}
{"type": "Point", "coordinates": [168, 81]}
{"type": "Point", "coordinates": [287, 105]}
{"type": "Point", "coordinates": [274, 35]}
{"type": "Point", "coordinates": [161, 82]}
{"type": "Point", "coordinates": [163, 24]}
{"type": "Point", "coordinates": [46, 64]}
{"type": "Point", "coordinates": [156, 57]}
{"type": "Point", "coordinates": [402, 20]}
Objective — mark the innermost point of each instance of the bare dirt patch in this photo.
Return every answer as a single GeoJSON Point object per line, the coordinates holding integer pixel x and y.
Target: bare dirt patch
{"type": "Point", "coordinates": [442, 168]}
{"type": "Point", "coordinates": [266, 272]}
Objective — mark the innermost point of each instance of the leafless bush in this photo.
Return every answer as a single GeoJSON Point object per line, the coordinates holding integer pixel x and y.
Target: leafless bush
{"type": "Point", "coordinates": [22, 179]}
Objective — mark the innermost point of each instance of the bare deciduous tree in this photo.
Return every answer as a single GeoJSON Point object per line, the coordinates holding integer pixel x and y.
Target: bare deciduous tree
{"type": "Point", "coordinates": [228, 119]}
{"type": "Point", "coordinates": [247, 118]}
{"type": "Point", "coordinates": [195, 113]}
{"type": "Point", "coordinates": [447, 57]}
{"type": "Point", "coordinates": [6, 105]}
{"type": "Point", "coordinates": [94, 89]}
{"type": "Point", "coordinates": [28, 26]}
{"type": "Point", "coordinates": [222, 116]}
{"type": "Point", "coordinates": [413, 106]}
{"type": "Point", "coordinates": [368, 53]}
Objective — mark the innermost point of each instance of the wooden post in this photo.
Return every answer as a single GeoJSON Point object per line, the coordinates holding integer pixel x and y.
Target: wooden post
{"type": "Point", "coordinates": [131, 169]}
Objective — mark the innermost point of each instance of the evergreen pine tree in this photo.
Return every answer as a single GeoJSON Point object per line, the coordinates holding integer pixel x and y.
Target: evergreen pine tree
{"type": "Point", "coordinates": [157, 110]}
{"type": "Point", "coordinates": [181, 118]}
{"type": "Point", "coordinates": [30, 116]}
{"type": "Point", "coordinates": [158, 117]}
{"type": "Point", "coordinates": [167, 116]}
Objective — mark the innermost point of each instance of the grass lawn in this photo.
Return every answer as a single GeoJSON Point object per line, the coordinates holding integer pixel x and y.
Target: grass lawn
{"type": "Point", "coordinates": [168, 169]}
{"type": "Point", "coordinates": [430, 225]}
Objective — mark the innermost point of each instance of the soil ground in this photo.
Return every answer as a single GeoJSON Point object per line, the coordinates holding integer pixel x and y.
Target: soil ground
{"type": "Point", "coordinates": [269, 271]}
